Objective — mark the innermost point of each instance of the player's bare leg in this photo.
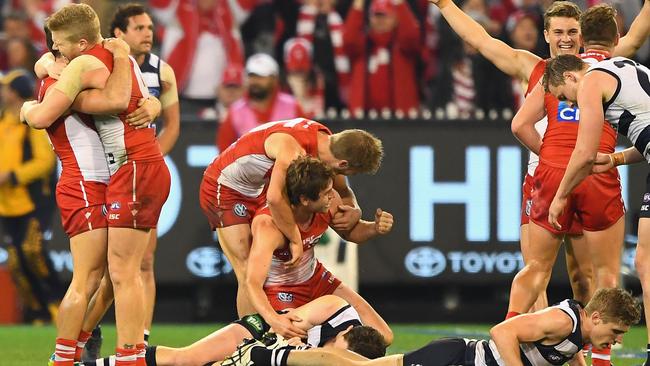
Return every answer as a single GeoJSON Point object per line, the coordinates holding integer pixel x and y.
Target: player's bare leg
{"type": "Point", "coordinates": [149, 281]}
{"type": "Point", "coordinates": [642, 263]}
{"type": "Point", "coordinates": [366, 312]}
{"type": "Point", "coordinates": [579, 267]}
{"type": "Point", "coordinates": [542, 301]}
{"type": "Point", "coordinates": [607, 248]}
{"type": "Point", "coordinates": [99, 304]}
{"type": "Point", "coordinates": [236, 242]}
{"type": "Point", "coordinates": [126, 248]}
{"type": "Point", "coordinates": [529, 283]}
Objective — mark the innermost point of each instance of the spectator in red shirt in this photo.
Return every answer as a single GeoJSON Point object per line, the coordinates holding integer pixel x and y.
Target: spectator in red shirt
{"type": "Point", "coordinates": [306, 85]}
{"type": "Point", "coordinates": [383, 58]}
{"type": "Point", "coordinates": [262, 103]}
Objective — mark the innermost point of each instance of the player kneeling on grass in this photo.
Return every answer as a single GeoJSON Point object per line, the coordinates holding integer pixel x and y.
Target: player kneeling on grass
{"type": "Point", "coordinates": [553, 336]}
{"type": "Point", "coordinates": [329, 321]}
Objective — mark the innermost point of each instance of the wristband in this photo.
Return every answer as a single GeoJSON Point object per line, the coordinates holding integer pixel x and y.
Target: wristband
{"type": "Point", "coordinates": [618, 158]}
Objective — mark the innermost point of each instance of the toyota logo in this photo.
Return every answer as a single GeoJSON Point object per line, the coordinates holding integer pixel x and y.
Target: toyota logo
{"type": "Point", "coordinates": [425, 262]}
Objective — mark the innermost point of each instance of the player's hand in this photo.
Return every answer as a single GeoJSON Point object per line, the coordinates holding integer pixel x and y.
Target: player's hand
{"type": "Point", "coordinates": [25, 108]}
{"type": "Point", "coordinates": [295, 342]}
{"type": "Point", "coordinates": [346, 217]}
{"type": "Point", "coordinates": [555, 210]}
{"type": "Point", "coordinates": [603, 163]}
{"type": "Point", "coordinates": [440, 3]}
{"type": "Point", "coordinates": [117, 46]}
{"type": "Point", "coordinates": [383, 221]}
{"type": "Point", "coordinates": [284, 325]}
{"type": "Point", "coordinates": [148, 110]}
{"type": "Point", "coordinates": [296, 250]}
{"type": "Point", "coordinates": [55, 69]}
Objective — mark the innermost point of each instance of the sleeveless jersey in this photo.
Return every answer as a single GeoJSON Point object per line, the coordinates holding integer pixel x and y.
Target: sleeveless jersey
{"type": "Point", "coordinates": [150, 69]}
{"type": "Point", "coordinates": [536, 353]}
{"type": "Point", "coordinates": [330, 328]}
{"type": "Point", "coordinates": [562, 131]}
{"type": "Point", "coordinates": [628, 110]}
{"type": "Point", "coordinates": [304, 269]}
{"type": "Point", "coordinates": [244, 165]}
{"type": "Point", "coordinates": [535, 76]}
{"type": "Point", "coordinates": [77, 145]}
{"type": "Point", "coordinates": [123, 142]}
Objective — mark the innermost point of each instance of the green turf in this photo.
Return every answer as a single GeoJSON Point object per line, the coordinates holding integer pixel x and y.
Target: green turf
{"type": "Point", "coordinates": [31, 346]}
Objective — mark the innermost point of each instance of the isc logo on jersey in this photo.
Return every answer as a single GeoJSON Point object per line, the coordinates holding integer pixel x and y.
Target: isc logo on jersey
{"type": "Point", "coordinates": [567, 113]}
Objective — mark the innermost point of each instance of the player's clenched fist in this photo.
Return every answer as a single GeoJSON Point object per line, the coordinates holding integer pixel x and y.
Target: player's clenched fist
{"type": "Point", "coordinates": [383, 221]}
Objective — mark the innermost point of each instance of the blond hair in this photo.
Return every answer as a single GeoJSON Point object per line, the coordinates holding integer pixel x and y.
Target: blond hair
{"type": "Point", "coordinates": [561, 9]}
{"type": "Point", "coordinates": [615, 305]}
{"type": "Point", "coordinates": [598, 26]}
{"type": "Point", "coordinates": [79, 21]}
{"type": "Point", "coordinates": [359, 148]}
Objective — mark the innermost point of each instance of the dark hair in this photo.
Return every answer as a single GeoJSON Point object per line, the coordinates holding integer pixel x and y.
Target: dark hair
{"type": "Point", "coordinates": [615, 305]}
{"type": "Point", "coordinates": [366, 341]}
{"type": "Point", "coordinates": [561, 9]}
{"type": "Point", "coordinates": [307, 176]}
{"type": "Point", "coordinates": [123, 13]}
{"type": "Point", "coordinates": [556, 67]}
{"type": "Point", "coordinates": [50, 42]}
{"type": "Point", "coordinates": [598, 25]}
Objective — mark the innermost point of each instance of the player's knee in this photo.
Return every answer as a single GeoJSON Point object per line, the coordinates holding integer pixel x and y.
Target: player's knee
{"type": "Point", "coordinates": [121, 275]}
{"type": "Point", "coordinates": [540, 267]}
{"type": "Point", "coordinates": [147, 263]}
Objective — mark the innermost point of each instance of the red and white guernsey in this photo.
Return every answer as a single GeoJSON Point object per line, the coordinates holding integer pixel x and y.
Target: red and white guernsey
{"type": "Point", "coordinates": [535, 76]}
{"type": "Point", "coordinates": [244, 165]}
{"type": "Point", "coordinates": [279, 274]}
{"type": "Point", "coordinates": [562, 131]}
{"type": "Point", "coordinates": [121, 141]}
{"type": "Point", "coordinates": [77, 145]}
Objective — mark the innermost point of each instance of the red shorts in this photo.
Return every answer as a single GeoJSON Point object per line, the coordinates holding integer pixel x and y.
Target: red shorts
{"type": "Point", "coordinates": [81, 206]}
{"type": "Point", "coordinates": [224, 206]}
{"type": "Point", "coordinates": [526, 199]}
{"type": "Point", "coordinates": [596, 202]}
{"type": "Point", "coordinates": [136, 194]}
{"type": "Point", "coordinates": [320, 284]}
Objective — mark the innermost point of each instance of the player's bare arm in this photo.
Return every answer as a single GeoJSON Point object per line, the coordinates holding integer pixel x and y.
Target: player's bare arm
{"type": "Point", "coordinates": [637, 35]}
{"type": "Point", "coordinates": [47, 66]}
{"type": "Point", "coordinates": [595, 88]}
{"type": "Point", "coordinates": [284, 149]}
{"type": "Point", "coordinates": [349, 211]}
{"type": "Point", "coordinates": [605, 162]}
{"type": "Point", "coordinates": [523, 124]}
{"type": "Point", "coordinates": [266, 239]}
{"type": "Point", "coordinates": [148, 110]}
{"type": "Point", "coordinates": [514, 62]}
{"type": "Point", "coordinates": [548, 326]}
{"type": "Point", "coordinates": [170, 110]}
{"type": "Point", "coordinates": [364, 230]}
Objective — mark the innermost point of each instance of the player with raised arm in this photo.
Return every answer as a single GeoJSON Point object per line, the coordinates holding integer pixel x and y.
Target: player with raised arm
{"type": "Point", "coordinates": [252, 171]}
{"type": "Point", "coordinates": [617, 89]}
{"type": "Point", "coordinates": [273, 286]}
{"type": "Point", "coordinates": [134, 161]}
{"type": "Point", "coordinates": [553, 336]}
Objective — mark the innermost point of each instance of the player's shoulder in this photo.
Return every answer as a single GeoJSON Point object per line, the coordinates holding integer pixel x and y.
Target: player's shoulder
{"type": "Point", "coordinates": [167, 72]}
{"type": "Point", "coordinates": [85, 62]}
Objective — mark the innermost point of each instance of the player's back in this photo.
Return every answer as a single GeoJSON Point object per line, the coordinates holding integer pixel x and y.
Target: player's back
{"type": "Point", "coordinates": [123, 142]}
{"type": "Point", "coordinates": [244, 165]}
{"type": "Point", "coordinates": [628, 110]}
{"type": "Point", "coordinates": [77, 145]}
{"type": "Point", "coordinates": [562, 130]}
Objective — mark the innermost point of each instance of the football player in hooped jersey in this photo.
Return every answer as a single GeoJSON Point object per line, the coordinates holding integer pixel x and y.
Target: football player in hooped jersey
{"type": "Point", "coordinates": [619, 90]}
{"type": "Point", "coordinates": [251, 172]}
{"type": "Point", "coordinates": [134, 160]}
{"type": "Point", "coordinates": [271, 285]}
{"type": "Point", "coordinates": [553, 336]}
{"type": "Point", "coordinates": [597, 202]}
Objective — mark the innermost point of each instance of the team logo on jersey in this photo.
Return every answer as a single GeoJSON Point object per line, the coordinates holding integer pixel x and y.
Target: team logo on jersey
{"type": "Point", "coordinates": [239, 209]}
{"type": "Point", "coordinates": [555, 358]}
{"type": "Point", "coordinates": [285, 296]}
{"type": "Point", "coordinates": [567, 113]}
{"type": "Point", "coordinates": [646, 197]}
{"type": "Point", "coordinates": [115, 205]}
{"type": "Point", "coordinates": [134, 207]}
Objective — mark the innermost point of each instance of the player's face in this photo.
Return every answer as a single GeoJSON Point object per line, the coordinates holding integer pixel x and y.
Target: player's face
{"type": "Point", "coordinates": [563, 36]}
{"type": "Point", "coordinates": [605, 334]}
{"type": "Point", "coordinates": [66, 47]}
{"type": "Point", "coordinates": [566, 92]}
{"type": "Point", "coordinates": [139, 34]}
{"type": "Point", "coordinates": [325, 197]}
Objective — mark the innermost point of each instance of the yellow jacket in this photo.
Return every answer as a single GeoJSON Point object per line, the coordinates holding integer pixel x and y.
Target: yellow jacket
{"type": "Point", "coordinates": [28, 155]}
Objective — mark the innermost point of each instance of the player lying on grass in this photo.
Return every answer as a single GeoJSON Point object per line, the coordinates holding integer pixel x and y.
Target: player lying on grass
{"type": "Point", "coordinates": [553, 336]}
{"type": "Point", "coordinates": [329, 322]}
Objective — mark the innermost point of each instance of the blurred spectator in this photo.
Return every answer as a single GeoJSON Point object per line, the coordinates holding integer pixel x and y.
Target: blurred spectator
{"type": "Point", "coordinates": [17, 25]}
{"type": "Point", "coordinates": [27, 200]}
{"type": "Point", "coordinates": [230, 90]}
{"type": "Point", "coordinates": [200, 39]}
{"type": "Point", "coordinates": [522, 29]}
{"type": "Point", "coordinates": [262, 103]}
{"type": "Point", "coordinates": [21, 54]}
{"type": "Point", "coordinates": [320, 24]}
{"type": "Point", "coordinates": [384, 57]}
{"type": "Point", "coordinates": [306, 85]}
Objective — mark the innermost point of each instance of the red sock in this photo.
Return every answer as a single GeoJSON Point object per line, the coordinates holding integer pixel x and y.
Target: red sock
{"type": "Point", "coordinates": [142, 351]}
{"type": "Point", "coordinates": [512, 314]}
{"type": "Point", "coordinates": [126, 357]}
{"type": "Point", "coordinates": [64, 352]}
{"type": "Point", "coordinates": [81, 343]}
{"type": "Point", "coordinates": [601, 356]}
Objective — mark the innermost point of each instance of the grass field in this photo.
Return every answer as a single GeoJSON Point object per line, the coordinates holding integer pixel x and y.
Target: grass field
{"type": "Point", "coordinates": [31, 346]}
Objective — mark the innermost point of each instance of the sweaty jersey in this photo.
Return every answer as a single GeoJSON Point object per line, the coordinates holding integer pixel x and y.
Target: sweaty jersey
{"type": "Point", "coordinates": [304, 269]}
{"type": "Point", "coordinates": [628, 110]}
{"type": "Point", "coordinates": [562, 131]}
{"type": "Point", "coordinates": [77, 145]}
{"type": "Point", "coordinates": [536, 353]}
{"type": "Point", "coordinates": [123, 142]}
{"type": "Point", "coordinates": [244, 165]}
